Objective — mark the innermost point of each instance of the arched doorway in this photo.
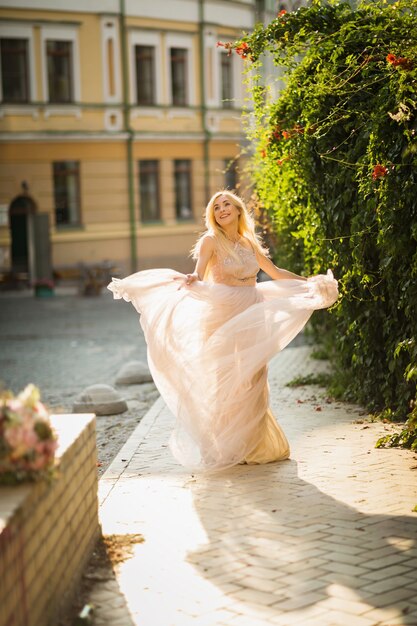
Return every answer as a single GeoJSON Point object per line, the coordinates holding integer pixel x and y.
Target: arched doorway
{"type": "Point", "coordinates": [20, 212]}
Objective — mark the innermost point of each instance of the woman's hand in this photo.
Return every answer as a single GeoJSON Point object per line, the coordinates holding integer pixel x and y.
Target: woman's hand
{"type": "Point", "coordinates": [190, 278]}
{"type": "Point", "coordinates": [187, 279]}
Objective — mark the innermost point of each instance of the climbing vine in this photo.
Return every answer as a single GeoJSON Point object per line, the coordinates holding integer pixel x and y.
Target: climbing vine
{"type": "Point", "coordinates": [335, 165]}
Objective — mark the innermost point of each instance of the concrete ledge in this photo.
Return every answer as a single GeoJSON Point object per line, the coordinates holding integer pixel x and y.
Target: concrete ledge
{"type": "Point", "coordinates": [48, 530]}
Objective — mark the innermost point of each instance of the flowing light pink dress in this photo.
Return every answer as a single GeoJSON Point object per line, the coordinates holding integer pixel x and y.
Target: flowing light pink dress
{"type": "Point", "coordinates": [208, 349]}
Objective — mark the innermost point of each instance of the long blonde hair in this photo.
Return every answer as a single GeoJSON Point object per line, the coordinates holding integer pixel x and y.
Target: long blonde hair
{"type": "Point", "coordinates": [246, 227]}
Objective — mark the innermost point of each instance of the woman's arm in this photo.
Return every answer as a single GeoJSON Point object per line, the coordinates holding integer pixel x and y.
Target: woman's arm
{"type": "Point", "coordinates": [275, 272]}
{"type": "Point", "coordinates": [204, 256]}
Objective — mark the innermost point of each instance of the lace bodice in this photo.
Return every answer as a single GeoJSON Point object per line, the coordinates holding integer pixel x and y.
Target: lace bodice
{"type": "Point", "coordinates": [235, 272]}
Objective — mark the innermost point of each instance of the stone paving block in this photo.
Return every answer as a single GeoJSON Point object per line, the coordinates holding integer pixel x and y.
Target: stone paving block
{"type": "Point", "coordinates": [404, 620]}
{"type": "Point", "coordinates": [333, 545]}
{"type": "Point", "coordinates": [388, 584]}
{"type": "Point", "coordinates": [391, 571]}
{"type": "Point", "coordinates": [299, 617]}
{"type": "Point", "coordinates": [392, 613]}
{"type": "Point", "coordinates": [257, 611]}
{"type": "Point", "coordinates": [298, 602]}
{"type": "Point", "coordinates": [344, 568]}
{"type": "Point", "coordinates": [344, 605]}
{"type": "Point", "coordinates": [390, 597]}
{"type": "Point", "coordinates": [386, 561]}
{"type": "Point", "coordinates": [412, 585]}
{"type": "Point", "coordinates": [261, 584]}
{"type": "Point", "coordinates": [246, 620]}
{"type": "Point", "coordinates": [300, 588]}
{"type": "Point", "coordinates": [264, 572]}
{"type": "Point", "coordinates": [255, 596]}
{"type": "Point", "coordinates": [340, 618]}
{"type": "Point", "coordinates": [353, 582]}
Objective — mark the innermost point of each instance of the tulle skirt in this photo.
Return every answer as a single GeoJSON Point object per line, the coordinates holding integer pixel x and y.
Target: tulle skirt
{"type": "Point", "coordinates": [208, 349]}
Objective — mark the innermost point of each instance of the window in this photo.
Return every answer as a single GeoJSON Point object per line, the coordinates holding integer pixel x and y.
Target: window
{"type": "Point", "coordinates": [226, 80]}
{"type": "Point", "coordinates": [145, 74]}
{"type": "Point", "coordinates": [230, 174]}
{"type": "Point", "coordinates": [149, 190]}
{"type": "Point", "coordinates": [14, 70]}
{"type": "Point", "coordinates": [179, 76]}
{"type": "Point", "coordinates": [67, 192]}
{"type": "Point", "coordinates": [60, 63]}
{"type": "Point", "coordinates": [182, 177]}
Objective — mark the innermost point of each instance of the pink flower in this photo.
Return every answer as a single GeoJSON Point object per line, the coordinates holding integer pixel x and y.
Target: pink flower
{"type": "Point", "coordinates": [226, 45]}
{"type": "Point", "coordinates": [29, 441]}
{"type": "Point", "coordinates": [21, 440]}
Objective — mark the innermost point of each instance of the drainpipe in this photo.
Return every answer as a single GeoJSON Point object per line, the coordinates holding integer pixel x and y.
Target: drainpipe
{"type": "Point", "coordinates": [206, 131]}
{"type": "Point", "coordinates": [130, 137]}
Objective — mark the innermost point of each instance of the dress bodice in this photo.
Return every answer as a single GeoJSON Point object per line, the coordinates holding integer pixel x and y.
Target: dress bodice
{"type": "Point", "coordinates": [239, 270]}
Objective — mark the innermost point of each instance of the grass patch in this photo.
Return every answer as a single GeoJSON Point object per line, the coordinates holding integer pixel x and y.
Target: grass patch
{"type": "Point", "coordinates": [320, 354]}
{"type": "Point", "coordinates": [323, 379]}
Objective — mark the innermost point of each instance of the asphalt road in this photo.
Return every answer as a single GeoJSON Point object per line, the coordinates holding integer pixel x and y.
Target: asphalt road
{"type": "Point", "coordinates": [65, 343]}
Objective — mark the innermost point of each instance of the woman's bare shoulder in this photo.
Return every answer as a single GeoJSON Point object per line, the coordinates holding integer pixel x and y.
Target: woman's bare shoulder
{"type": "Point", "coordinates": [208, 242]}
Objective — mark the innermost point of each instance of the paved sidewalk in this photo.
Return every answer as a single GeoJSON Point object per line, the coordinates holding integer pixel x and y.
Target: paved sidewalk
{"type": "Point", "coordinates": [327, 537]}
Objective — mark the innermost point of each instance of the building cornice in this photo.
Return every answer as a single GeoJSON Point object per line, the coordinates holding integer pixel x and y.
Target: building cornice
{"type": "Point", "coordinates": [49, 137]}
{"type": "Point", "coordinates": [39, 22]}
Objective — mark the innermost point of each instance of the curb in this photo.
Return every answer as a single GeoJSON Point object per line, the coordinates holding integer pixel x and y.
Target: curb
{"type": "Point", "coordinates": [124, 456]}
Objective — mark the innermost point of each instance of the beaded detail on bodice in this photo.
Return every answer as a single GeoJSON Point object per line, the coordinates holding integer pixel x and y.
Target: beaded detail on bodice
{"type": "Point", "coordinates": [235, 272]}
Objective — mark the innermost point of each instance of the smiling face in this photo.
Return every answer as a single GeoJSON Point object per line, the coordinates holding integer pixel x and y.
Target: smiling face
{"type": "Point", "coordinates": [225, 212]}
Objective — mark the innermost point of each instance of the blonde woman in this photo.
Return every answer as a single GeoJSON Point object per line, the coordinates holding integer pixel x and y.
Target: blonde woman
{"type": "Point", "coordinates": [210, 335]}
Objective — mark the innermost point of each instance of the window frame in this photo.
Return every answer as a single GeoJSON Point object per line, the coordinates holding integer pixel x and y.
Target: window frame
{"type": "Point", "coordinates": [227, 103]}
{"type": "Point", "coordinates": [22, 83]}
{"type": "Point", "coordinates": [176, 170]}
{"type": "Point", "coordinates": [186, 42]}
{"type": "Point", "coordinates": [145, 38]}
{"type": "Point", "coordinates": [79, 222]}
{"type": "Point", "coordinates": [179, 60]}
{"type": "Point", "coordinates": [68, 54]}
{"type": "Point", "coordinates": [17, 31]}
{"type": "Point", "coordinates": [65, 33]}
{"type": "Point", "coordinates": [152, 102]}
{"type": "Point", "coordinates": [157, 171]}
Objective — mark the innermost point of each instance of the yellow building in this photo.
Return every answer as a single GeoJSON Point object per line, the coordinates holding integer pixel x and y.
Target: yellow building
{"type": "Point", "coordinates": [118, 119]}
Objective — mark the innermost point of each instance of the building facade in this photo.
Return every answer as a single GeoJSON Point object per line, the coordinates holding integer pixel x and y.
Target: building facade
{"type": "Point", "coordinates": [118, 118]}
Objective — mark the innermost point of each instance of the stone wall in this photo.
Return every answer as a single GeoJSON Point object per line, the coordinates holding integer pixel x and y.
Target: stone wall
{"type": "Point", "coordinates": [48, 530]}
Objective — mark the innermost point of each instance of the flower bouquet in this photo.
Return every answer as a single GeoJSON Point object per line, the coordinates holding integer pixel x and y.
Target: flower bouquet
{"type": "Point", "coordinates": [27, 440]}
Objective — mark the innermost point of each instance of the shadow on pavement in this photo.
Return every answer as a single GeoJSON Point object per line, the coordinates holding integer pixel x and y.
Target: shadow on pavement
{"type": "Point", "coordinates": [283, 545]}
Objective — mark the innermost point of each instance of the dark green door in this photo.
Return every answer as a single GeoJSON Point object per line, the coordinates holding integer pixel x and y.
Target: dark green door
{"type": "Point", "coordinates": [19, 232]}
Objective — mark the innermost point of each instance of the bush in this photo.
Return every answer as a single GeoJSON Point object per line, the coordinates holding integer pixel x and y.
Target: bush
{"type": "Point", "coordinates": [335, 165]}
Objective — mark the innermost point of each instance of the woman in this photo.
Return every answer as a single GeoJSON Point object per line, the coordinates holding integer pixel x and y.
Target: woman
{"type": "Point", "coordinates": [211, 333]}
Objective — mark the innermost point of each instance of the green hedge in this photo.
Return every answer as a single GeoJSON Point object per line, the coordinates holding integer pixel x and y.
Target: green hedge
{"type": "Point", "coordinates": [336, 167]}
